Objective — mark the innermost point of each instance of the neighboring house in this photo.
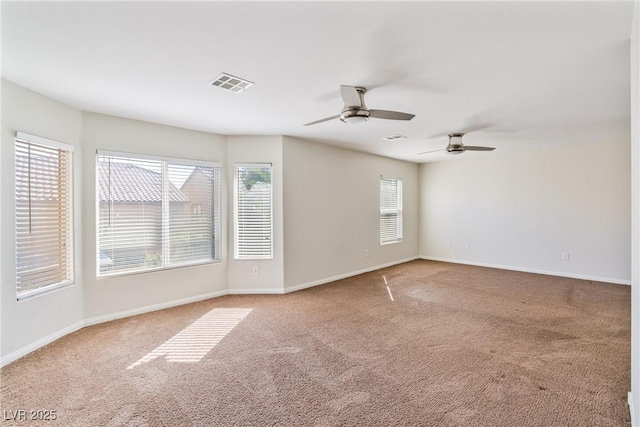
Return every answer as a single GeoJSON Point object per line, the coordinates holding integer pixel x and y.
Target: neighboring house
{"type": "Point", "coordinates": [192, 233]}
{"type": "Point", "coordinates": [134, 211]}
{"type": "Point", "coordinates": [198, 189]}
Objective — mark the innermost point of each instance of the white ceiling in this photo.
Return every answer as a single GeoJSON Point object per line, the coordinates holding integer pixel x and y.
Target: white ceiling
{"type": "Point", "coordinates": [526, 72]}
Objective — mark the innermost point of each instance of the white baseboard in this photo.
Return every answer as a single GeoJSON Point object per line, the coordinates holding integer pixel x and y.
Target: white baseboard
{"type": "Point", "coordinates": [101, 319]}
{"type": "Point", "coordinates": [345, 275]}
{"type": "Point", "coordinates": [253, 291]}
{"type": "Point", "coordinates": [532, 270]}
{"type": "Point", "coordinates": [154, 307]}
{"type": "Point", "coordinates": [40, 343]}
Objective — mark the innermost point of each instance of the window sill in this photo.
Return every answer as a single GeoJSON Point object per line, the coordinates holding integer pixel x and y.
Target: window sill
{"type": "Point", "coordinates": [154, 270]}
{"type": "Point", "coordinates": [390, 242]}
{"type": "Point", "coordinates": [44, 290]}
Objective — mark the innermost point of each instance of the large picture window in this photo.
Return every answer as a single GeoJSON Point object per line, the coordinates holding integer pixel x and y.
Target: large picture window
{"type": "Point", "coordinates": [156, 213]}
{"type": "Point", "coordinates": [253, 213]}
{"type": "Point", "coordinates": [390, 210]}
{"type": "Point", "coordinates": [44, 214]}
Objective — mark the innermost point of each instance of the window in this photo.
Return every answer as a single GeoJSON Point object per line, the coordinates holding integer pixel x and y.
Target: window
{"type": "Point", "coordinates": [253, 223]}
{"type": "Point", "coordinates": [390, 210]}
{"type": "Point", "coordinates": [44, 215]}
{"type": "Point", "coordinates": [156, 213]}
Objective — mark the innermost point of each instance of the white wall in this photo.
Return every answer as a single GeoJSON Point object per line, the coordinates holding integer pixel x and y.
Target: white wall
{"type": "Point", "coordinates": [522, 209]}
{"type": "Point", "coordinates": [634, 402]}
{"type": "Point", "coordinates": [257, 149]}
{"type": "Point", "coordinates": [125, 294]}
{"type": "Point", "coordinates": [332, 212]}
{"type": "Point", "coordinates": [36, 321]}
{"type": "Point", "coordinates": [519, 210]}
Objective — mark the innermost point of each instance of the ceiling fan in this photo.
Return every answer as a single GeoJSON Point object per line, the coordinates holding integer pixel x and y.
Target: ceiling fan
{"type": "Point", "coordinates": [456, 146]}
{"type": "Point", "coordinates": [355, 111]}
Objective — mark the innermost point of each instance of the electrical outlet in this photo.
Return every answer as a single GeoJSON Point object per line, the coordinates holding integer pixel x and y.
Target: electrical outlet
{"type": "Point", "coordinates": [565, 256]}
{"type": "Point", "coordinates": [366, 252]}
{"type": "Point", "coordinates": [256, 270]}
{"type": "Point", "coordinates": [448, 245]}
{"type": "Point", "coordinates": [467, 246]}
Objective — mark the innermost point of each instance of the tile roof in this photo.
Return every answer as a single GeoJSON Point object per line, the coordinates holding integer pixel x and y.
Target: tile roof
{"type": "Point", "coordinates": [39, 188]}
{"type": "Point", "coordinates": [208, 171]}
{"type": "Point", "coordinates": [131, 183]}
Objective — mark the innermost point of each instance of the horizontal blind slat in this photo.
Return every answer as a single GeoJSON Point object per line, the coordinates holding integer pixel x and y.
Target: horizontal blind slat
{"type": "Point", "coordinates": [43, 215]}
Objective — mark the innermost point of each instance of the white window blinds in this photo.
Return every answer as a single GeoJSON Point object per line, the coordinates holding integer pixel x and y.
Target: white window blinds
{"type": "Point", "coordinates": [156, 213]}
{"type": "Point", "coordinates": [44, 214]}
{"type": "Point", "coordinates": [194, 229]}
{"type": "Point", "coordinates": [390, 210]}
{"type": "Point", "coordinates": [253, 224]}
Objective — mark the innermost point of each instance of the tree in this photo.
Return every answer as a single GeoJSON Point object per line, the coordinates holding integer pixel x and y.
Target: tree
{"type": "Point", "coordinates": [253, 176]}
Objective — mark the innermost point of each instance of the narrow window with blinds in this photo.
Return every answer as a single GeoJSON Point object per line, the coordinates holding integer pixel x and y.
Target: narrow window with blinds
{"type": "Point", "coordinates": [390, 210]}
{"type": "Point", "coordinates": [156, 213]}
{"type": "Point", "coordinates": [44, 215]}
{"type": "Point", "coordinates": [253, 224]}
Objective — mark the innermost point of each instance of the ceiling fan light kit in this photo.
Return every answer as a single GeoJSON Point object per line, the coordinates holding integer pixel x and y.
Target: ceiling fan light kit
{"type": "Point", "coordinates": [355, 115]}
{"type": "Point", "coordinates": [455, 150]}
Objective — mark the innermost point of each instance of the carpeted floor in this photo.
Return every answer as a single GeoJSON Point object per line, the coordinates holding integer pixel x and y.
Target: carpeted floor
{"type": "Point", "coordinates": [457, 346]}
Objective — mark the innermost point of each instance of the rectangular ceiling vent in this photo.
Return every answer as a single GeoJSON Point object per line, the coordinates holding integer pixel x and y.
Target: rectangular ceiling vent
{"type": "Point", "coordinates": [396, 137]}
{"type": "Point", "coordinates": [231, 83]}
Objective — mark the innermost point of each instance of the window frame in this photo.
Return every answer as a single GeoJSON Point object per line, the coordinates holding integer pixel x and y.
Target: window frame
{"type": "Point", "coordinates": [216, 223]}
{"type": "Point", "coordinates": [69, 205]}
{"type": "Point", "coordinates": [237, 256]}
{"type": "Point", "coordinates": [397, 211]}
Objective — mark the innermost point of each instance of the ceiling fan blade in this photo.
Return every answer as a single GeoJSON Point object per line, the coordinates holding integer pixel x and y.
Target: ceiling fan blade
{"type": "Point", "coordinates": [350, 96]}
{"type": "Point", "coordinates": [390, 115]}
{"type": "Point", "coordinates": [432, 151]}
{"type": "Point", "coordinates": [326, 119]}
{"type": "Point", "coordinates": [475, 148]}
{"type": "Point", "coordinates": [475, 125]}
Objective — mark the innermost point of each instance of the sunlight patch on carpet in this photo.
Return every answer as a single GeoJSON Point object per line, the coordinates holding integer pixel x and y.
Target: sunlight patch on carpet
{"type": "Point", "coordinates": [196, 340]}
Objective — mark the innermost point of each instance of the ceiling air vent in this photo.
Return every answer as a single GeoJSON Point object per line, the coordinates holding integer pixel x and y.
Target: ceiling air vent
{"type": "Point", "coordinates": [396, 137]}
{"type": "Point", "coordinates": [231, 83]}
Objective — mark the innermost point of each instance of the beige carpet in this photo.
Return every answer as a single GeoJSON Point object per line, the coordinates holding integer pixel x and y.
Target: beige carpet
{"type": "Point", "coordinates": [458, 346]}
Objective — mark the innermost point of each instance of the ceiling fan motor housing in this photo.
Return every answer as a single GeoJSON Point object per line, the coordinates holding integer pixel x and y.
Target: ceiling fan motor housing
{"type": "Point", "coordinates": [354, 115]}
{"type": "Point", "coordinates": [455, 144]}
